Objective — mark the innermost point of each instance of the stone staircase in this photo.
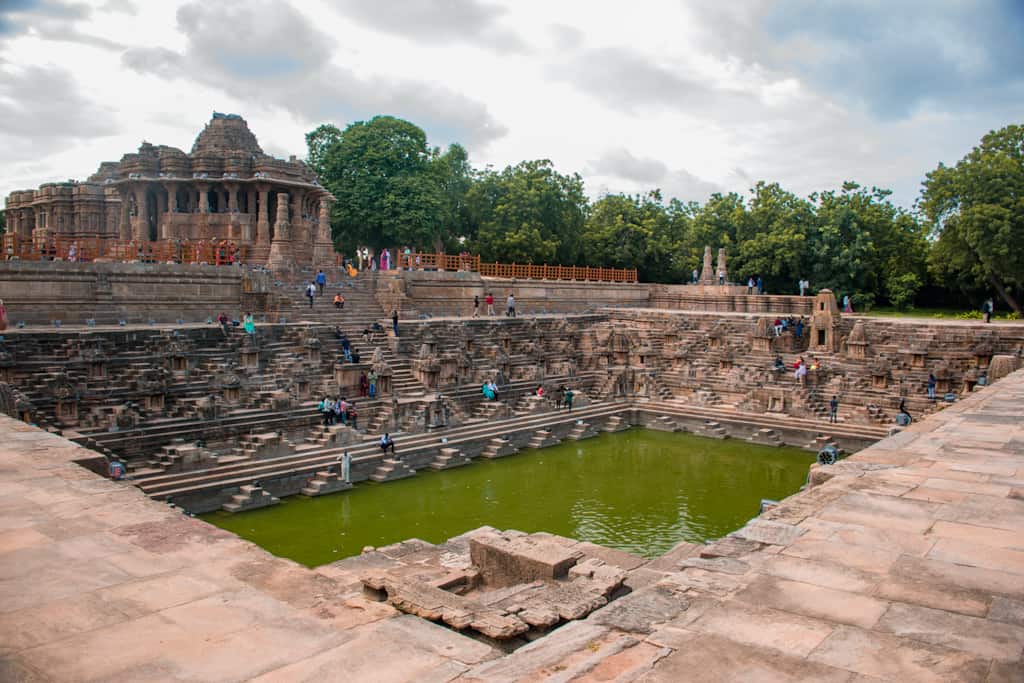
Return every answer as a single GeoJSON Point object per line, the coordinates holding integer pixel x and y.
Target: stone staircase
{"type": "Point", "coordinates": [498, 448]}
{"type": "Point", "coordinates": [324, 482]}
{"type": "Point", "coordinates": [449, 458]}
{"type": "Point", "coordinates": [392, 468]}
{"type": "Point", "coordinates": [250, 497]}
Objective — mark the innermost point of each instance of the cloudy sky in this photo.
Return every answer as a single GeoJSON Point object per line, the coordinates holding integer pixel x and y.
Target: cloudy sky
{"type": "Point", "coordinates": [691, 96]}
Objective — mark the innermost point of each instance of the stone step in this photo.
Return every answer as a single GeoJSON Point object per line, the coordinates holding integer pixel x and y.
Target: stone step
{"type": "Point", "coordinates": [498, 448]}
{"type": "Point", "coordinates": [543, 438]}
{"type": "Point", "coordinates": [664, 423]}
{"type": "Point", "coordinates": [250, 497]}
{"type": "Point", "coordinates": [766, 437]}
{"type": "Point", "coordinates": [391, 469]}
{"type": "Point", "coordinates": [325, 482]}
{"type": "Point", "coordinates": [714, 430]}
{"type": "Point", "coordinates": [449, 458]}
{"type": "Point", "coordinates": [615, 423]}
{"type": "Point", "coordinates": [582, 430]}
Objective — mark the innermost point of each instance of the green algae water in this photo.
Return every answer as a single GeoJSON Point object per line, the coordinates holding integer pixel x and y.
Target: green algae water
{"type": "Point", "coordinates": [640, 491]}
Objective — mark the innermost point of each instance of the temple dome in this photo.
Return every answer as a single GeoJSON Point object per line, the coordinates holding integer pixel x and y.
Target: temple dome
{"type": "Point", "coordinates": [226, 133]}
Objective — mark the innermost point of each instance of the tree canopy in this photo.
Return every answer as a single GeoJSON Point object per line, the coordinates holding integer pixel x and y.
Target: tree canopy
{"type": "Point", "coordinates": [975, 211]}
{"type": "Point", "coordinates": [963, 237]}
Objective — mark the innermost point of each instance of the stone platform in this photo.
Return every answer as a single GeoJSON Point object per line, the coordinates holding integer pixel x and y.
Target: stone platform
{"type": "Point", "coordinates": [906, 562]}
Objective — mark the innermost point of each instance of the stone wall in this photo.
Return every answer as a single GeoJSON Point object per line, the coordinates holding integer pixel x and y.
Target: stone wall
{"type": "Point", "coordinates": [726, 298]}
{"type": "Point", "coordinates": [40, 291]}
{"type": "Point", "coordinates": [448, 293]}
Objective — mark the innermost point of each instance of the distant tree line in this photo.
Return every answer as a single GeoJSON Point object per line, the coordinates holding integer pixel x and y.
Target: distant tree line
{"type": "Point", "coordinates": [963, 241]}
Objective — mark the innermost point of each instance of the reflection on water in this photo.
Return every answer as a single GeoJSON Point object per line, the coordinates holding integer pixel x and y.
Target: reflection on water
{"type": "Point", "coordinates": [640, 491]}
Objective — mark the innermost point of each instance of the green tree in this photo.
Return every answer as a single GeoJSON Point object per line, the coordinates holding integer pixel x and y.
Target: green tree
{"type": "Point", "coordinates": [863, 245]}
{"type": "Point", "coordinates": [387, 192]}
{"type": "Point", "coordinates": [454, 176]}
{"type": "Point", "coordinates": [716, 224]}
{"type": "Point", "coordinates": [976, 211]}
{"type": "Point", "coordinates": [773, 236]}
{"type": "Point", "coordinates": [318, 142]}
{"type": "Point", "coordinates": [625, 231]}
{"type": "Point", "coordinates": [528, 213]}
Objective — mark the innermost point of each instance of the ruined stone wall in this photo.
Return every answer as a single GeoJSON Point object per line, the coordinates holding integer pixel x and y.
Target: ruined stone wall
{"type": "Point", "coordinates": [40, 291]}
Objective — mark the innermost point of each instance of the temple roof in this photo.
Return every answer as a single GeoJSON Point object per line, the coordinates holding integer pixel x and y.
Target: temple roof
{"type": "Point", "coordinates": [226, 133]}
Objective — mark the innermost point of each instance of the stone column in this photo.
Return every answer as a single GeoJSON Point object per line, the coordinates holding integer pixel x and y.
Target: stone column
{"type": "Point", "coordinates": [281, 257]}
{"type": "Point", "coordinates": [204, 199]}
{"type": "Point", "coordinates": [263, 220]}
{"type": "Point", "coordinates": [232, 198]}
{"type": "Point", "coordinates": [323, 248]}
{"type": "Point", "coordinates": [141, 228]}
{"type": "Point", "coordinates": [168, 230]}
{"type": "Point", "coordinates": [707, 275]}
{"type": "Point", "coordinates": [125, 229]}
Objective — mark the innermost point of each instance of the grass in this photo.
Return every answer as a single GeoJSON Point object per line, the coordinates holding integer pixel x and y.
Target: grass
{"type": "Point", "coordinates": [945, 313]}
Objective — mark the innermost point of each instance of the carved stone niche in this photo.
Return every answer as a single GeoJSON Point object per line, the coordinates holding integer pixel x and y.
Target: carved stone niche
{"type": "Point", "coordinates": [824, 322]}
{"type": "Point", "coordinates": [970, 379]}
{"type": "Point", "coordinates": [983, 351]}
{"type": "Point", "coordinates": [716, 337]}
{"type": "Point", "coordinates": [725, 362]}
{"type": "Point", "coordinates": [943, 379]}
{"type": "Point", "coordinates": [154, 403]}
{"type": "Point", "coordinates": [918, 355]}
{"type": "Point", "coordinates": [857, 343]}
{"type": "Point", "coordinates": [880, 374]}
{"type": "Point", "coordinates": [66, 400]}
{"type": "Point", "coordinates": [761, 342]}
{"type": "Point", "coordinates": [178, 362]}
{"type": "Point", "coordinates": [776, 401]}
{"type": "Point", "coordinates": [249, 353]}
{"type": "Point", "coordinates": [311, 344]}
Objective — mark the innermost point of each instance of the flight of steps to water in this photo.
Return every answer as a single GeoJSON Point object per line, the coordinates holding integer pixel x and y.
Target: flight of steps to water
{"type": "Point", "coordinates": [250, 497]}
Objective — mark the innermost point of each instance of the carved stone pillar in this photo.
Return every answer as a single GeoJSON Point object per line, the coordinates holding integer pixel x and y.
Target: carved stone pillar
{"type": "Point", "coordinates": [281, 257]}
{"type": "Point", "coordinates": [141, 227]}
{"type": "Point", "coordinates": [125, 229]}
{"type": "Point", "coordinates": [204, 198]}
{"type": "Point", "coordinates": [262, 219]}
{"type": "Point", "coordinates": [323, 247]}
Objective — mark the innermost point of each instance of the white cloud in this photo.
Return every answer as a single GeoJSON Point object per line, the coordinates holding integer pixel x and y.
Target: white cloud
{"type": "Point", "coordinates": [691, 97]}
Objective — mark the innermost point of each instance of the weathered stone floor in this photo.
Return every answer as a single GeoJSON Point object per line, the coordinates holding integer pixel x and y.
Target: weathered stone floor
{"type": "Point", "coordinates": [906, 565]}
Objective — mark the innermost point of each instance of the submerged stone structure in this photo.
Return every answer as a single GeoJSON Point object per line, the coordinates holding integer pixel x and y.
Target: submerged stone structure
{"type": "Point", "coordinates": [225, 188]}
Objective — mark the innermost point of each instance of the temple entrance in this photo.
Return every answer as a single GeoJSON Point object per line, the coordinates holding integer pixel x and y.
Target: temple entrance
{"type": "Point", "coordinates": [151, 214]}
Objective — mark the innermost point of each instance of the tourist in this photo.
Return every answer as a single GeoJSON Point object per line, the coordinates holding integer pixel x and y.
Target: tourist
{"type": "Point", "coordinates": [341, 410]}
{"type": "Point", "coordinates": [779, 365]}
{"type": "Point", "coordinates": [311, 292]}
{"type": "Point", "coordinates": [760, 285]}
{"type": "Point", "coordinates": [799, 328]}
{"type": "Point", "coordinates": [350, 269]}
{"type": "Point", "coordinates": [778, 327]}
{"type": "Point", "coordinates": [485, 389]}
{"type": "Point", "coordinates": [387, 442]}
{"type": "Point", "coordinates": [385, 259]}
{"type": "Point", "coordinates": [510, 304]}
{"type": "Point", "coordinates": [355, 355]}
{"type": "Point", "coordinates": [986, 308]}
{"type": "Point", "coordinates": [321, 280]}
{"type": "Point", "coordinates": [476, 306]}
{"type": "Point", "coordinates": [847, 304]}
{"type": "Point", "coordinates": [223, 320]}
{"type": "Point", "coordinates": [249, 324]}
{"type": "Point", "coordinates": [72, 253]}
{"type": "Point", "coordinates": [721, 277]}
{"type": "Point", "coordinates": [353, 416]}
{"type": "Point", "coordinates": [750, 285]}
{"type": "Point", "coordinates": [394, 321]}
{"type": "Point", "coordinates": [801, 371]}
{"type": "Point", "coordinates": [804, 286]}
{"type": "Point", "coordinates": [339, 301]}
{"type": "Point", "coordinates": [364, 384]}
{"type": "Point", "coordinates": [490, 303]}
{"type": "Point", "coordinates": [931, 385]}
{"type": "Point", "coordinates": [540, 391]}
{"type": "Point", "coordinates": [326, 407]}
{"type": "Point", "coordinates": [346, 347]}
{"type": "Point", "coordinates": [833, 409]}
{"type": "Point", "coordinates": [567, 397]}
{"type": "Point", "coordinates": [373, 383]}
{"type": "Point", "coordinates": [903, 409]}
{"type": "Point", "coordinates": [695, 276]}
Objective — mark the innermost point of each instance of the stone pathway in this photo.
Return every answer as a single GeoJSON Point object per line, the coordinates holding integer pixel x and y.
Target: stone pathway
{"type": "Point", "coordinates": [905, 562]}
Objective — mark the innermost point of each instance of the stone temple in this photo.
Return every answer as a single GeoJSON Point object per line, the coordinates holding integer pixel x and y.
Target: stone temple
{"type": "Point", "coordinates": [225, 188]}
